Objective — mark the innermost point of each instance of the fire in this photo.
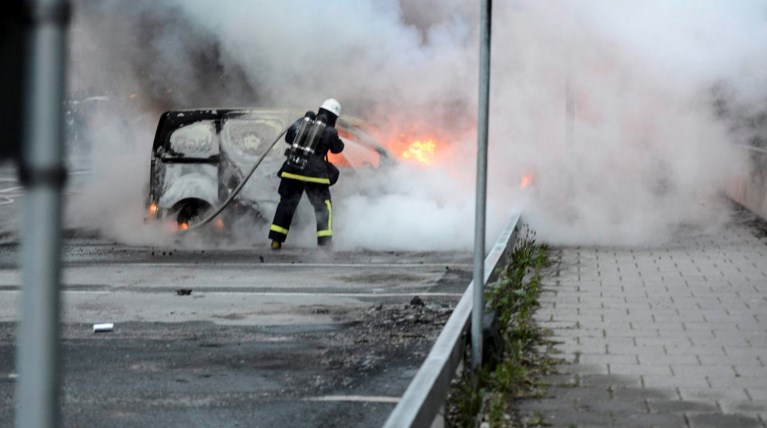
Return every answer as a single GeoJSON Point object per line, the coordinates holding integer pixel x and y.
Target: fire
{"type": "Point", "coordinates": [183, 226]}
{"type": "Point", "coordinates": [421, 151]}
{"type": "Point", "coordinates": [339, 160]}
{"type": "Point", "coordinates": [526, 181]}
{"type": "Point", "coordinates": [152, 209]}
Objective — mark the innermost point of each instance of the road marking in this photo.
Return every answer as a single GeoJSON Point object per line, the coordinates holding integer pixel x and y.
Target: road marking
{"type": "Point", "coordinates": [270, 293]}
{"type": "Point", "coordinates": [357, 398]}
{"type": "Point", "coordinates": [204, 265]}
{"type": "Point", "coordinates": [307, 294]}
{"type": "Point", "coordinates": [11, 189]}
{"type": "Point", "coordinates": [10, 193]}
{"type": "Point", "coordinates": [15, 288]}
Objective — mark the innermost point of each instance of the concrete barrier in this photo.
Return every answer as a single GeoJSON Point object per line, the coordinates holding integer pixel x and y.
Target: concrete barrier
{"type": "Point", "coordinates": [750, 188]}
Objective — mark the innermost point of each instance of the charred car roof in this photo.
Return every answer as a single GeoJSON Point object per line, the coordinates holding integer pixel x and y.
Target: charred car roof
{"type": "Point", "coordinates": [172, 120]}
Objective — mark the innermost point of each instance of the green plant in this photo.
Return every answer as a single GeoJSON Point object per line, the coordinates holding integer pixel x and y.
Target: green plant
{"type": "Point", "coordinates": [489, 395]}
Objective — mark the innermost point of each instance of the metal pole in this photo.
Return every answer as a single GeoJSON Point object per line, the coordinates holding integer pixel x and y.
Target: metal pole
{"type": "Point", "coordinates": [42, 172]}
{"type": "Point", "coordinates": [479, 220]}
{"type": "Point", "coordinates": [569, 115]}
{"type": "Point", "coordinates": [568, 176]}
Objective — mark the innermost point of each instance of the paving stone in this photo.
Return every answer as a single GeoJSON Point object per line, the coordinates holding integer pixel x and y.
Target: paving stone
{"type": "Point", "coordinates": [697, 335]}
{"type": "Point", "coordinates": [704, 371]}
{"type": "Point", "coordinates": [639, 370]}
{"type": "Point", "coordinates": [614, 406]}
{"type": "Point", "coordinates": [577, 395]}
{"type": "Point", "coordinates": [661, 359]}
{"type": "Point", "coordinates": [608, 359]}
{"type": "Point", "coordinates": [695, 350]}
{"type": "Point", "coordinates": [557, 418]}
{"type": "Point", "coordinates": [653, 381]}
{"type": "Point", "coordinates": [612, 332]}
{"type": "Point", "coordinates": [664, 341]}
{"type": "Point", "coordinates": [730, 339]}
{"type": "Point", "coordinates": [603, 342]}
{"type": "Point", "coordinates": [749, 360]}
{"type": "Point", "coordinates": [718, 395]}
{"type": "Point", "coordinates": [718, 420]}
{"type": "Point", "coordinates": [634, 350]}
{"type": "Point", "coordinates": [746, 407]}
{"type": "Point", "coordinates": [649, 420]}
{"type": "Point", "coordinates": [658, 326]}
{"type": "Point", "coordinates": [681, 406]}
{"type": "Point", "coordinates": [737, 381]}
{"type": "Point", "coordinates": [611, 381]}
{"type": "Point", "coordinates": [642, 394]}
{"type": "Point", "coordinates": [747, 371]}
{"type": "Point", "coordinates": [678, 330]}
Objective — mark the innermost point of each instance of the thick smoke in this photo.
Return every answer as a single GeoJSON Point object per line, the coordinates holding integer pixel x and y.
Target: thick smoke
{"type": "Point", "coordinates": [608, 106]}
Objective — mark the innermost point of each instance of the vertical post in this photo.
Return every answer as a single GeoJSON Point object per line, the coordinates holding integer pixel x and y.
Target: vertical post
{"type": "Point", "coordinates": [42, 173]}
{"type": "Point", "coordinates": [568, 153]}
{"type": "Point", "coordinates": [479, 220]}
{"type": "Point", "coordinates": [569, 115]}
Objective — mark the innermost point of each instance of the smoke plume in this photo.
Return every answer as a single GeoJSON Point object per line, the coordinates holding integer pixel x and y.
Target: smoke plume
{"type": "Point", "coordinates": [608, 107]}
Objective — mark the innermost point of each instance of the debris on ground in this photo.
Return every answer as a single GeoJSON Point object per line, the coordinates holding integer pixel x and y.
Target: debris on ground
{"type": "Point", "coordinates": [103, 327]}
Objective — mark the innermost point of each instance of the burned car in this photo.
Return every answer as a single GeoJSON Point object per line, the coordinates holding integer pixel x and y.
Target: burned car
{"type": "Point", "coordinates": [200, 156]}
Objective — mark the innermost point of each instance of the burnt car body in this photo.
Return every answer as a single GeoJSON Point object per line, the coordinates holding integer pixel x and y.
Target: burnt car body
{"type": "Point", "coordinates": [200, 156]}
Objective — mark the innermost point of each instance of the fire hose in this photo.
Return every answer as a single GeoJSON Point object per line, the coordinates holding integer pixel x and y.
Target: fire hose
{"type": "Point", "coordinates": [237, 189]}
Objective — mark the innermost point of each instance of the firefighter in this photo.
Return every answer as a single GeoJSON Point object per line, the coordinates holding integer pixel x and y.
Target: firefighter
{"type": "Point", "coordinates": [306, 170]}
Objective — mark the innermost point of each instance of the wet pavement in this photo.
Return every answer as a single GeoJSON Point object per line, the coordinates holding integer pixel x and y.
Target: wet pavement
{"type": "Point", "coordinates": [674, 336]}
{"type": "Point", "coordinates": [261, 339]}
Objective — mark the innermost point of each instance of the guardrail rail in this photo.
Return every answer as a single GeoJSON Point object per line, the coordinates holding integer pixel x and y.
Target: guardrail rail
{"type": "Point", "coordinates": [749, 188]}
{"type": "Point", "coordinates": [428, 390]}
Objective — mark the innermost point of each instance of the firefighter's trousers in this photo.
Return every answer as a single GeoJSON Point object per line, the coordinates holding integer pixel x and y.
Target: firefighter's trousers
{"type": "Point", "coordinates": [290, 194]}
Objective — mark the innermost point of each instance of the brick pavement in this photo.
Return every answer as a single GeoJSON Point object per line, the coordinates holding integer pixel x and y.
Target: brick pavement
{"type": "Point", "coordinates": [674, 336]}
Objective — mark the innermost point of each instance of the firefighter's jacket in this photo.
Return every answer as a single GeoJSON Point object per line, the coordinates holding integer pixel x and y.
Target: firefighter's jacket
{"type": "Point", "coordinates": [316, 169]}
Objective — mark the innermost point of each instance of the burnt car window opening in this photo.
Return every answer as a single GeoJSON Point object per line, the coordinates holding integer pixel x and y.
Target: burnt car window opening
{"type": "Point", "coordinates": [196, 140]}
{"type": "Point", "coordinates": [250, 137]}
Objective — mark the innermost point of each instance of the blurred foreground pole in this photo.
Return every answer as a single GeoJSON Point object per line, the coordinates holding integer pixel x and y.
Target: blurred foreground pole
{"type": "Point", "coordinates": [42, 173]}
{"type": "Point", "coordinates": [478, 305]}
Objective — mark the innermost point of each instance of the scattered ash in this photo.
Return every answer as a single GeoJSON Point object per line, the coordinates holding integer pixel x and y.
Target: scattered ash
{"type": "Point", "coordinates": [381, 334]}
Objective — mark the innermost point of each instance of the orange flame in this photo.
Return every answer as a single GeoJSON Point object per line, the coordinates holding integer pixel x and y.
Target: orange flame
{"type": "Point", "coordinates": [420, 151]}
{"type": "Point", "coordinates": [339, 160]}
{"type": "Point", "coordinates": [526, 181]}
{"type": "Point", "coordinates": [183, 226]}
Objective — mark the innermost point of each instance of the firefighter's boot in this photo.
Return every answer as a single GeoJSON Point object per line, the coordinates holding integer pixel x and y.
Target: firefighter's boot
{"type": "Point", "coordinates": [276, 245]}
{"type": "Point", "coordinates": [325, 242]}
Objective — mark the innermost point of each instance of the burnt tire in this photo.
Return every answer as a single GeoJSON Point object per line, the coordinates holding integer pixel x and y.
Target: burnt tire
{"type": "Point", "coordinates": [192, 212]}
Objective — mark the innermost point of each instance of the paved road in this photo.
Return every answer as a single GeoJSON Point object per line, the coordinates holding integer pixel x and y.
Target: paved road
{"type": "Point", "coordinates": [674, 336]}
{"type": "Point", "coordinates": [295, 338]}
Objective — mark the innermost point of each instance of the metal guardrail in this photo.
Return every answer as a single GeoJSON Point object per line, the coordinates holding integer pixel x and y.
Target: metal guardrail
{"type": "Point", "coordinates": [749, 187]}
{"type": "Point", "coordinates": [428, 390]}
{"type": "Point", "coordinates": [751, 148]}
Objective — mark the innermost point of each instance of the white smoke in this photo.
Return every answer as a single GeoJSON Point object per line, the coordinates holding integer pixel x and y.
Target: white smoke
{"type": "Point", "coordinates": [643, 152]}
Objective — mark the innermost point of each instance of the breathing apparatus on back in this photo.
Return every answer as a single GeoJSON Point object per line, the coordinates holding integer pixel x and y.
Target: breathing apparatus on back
{"type": "Point", "coordinates": [305, 142]}
{"type": "Point", "coordinates": [310, 132]}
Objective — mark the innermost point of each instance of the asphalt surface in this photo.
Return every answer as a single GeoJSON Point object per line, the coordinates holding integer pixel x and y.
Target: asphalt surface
{"type": "Point", "coordinates": [670, 336]}
{"type": "Point", "coordinates": [290, 341]}
{"type": "Point", "coordinates": [232, 338]}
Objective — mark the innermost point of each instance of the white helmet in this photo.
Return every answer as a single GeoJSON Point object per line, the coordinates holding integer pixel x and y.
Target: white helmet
{"type": "Point", "coordinates": [332, 105]}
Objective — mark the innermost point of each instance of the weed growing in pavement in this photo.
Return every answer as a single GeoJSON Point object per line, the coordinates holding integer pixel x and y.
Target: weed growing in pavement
{"type": "Point", "coordinates": [487, 395]}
